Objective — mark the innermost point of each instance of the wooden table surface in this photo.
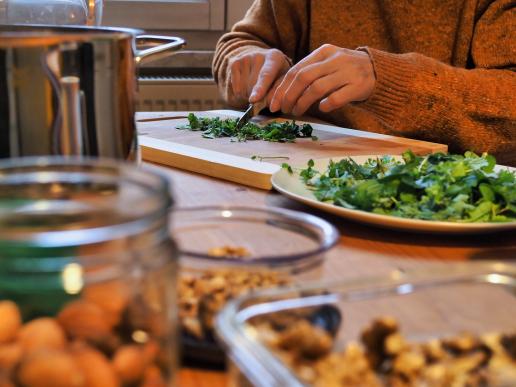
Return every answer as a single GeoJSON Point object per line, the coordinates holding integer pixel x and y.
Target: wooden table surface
{"type": "Point", "coordinates": [363, 250]}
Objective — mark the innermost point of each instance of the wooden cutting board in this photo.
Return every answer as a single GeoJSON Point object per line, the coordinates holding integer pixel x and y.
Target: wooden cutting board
{"type": "Point", "coordinates": [162, 143]}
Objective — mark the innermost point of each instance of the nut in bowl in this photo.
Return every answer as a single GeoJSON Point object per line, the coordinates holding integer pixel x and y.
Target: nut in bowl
{"type": "Point", "coordinates": [229, 251]}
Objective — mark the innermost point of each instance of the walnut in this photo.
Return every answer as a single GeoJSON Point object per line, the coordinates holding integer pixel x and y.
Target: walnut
{"type": "Point", "coordinates": [306, 340]}
{"type": "Point", "coordinates": [229, 252]}
{"type": "Point", "coordinates": [374, 338]}
{"type": "Point", "coordinates": [202, 297]}
{"type": "Point", "coordinates": [409, 364]}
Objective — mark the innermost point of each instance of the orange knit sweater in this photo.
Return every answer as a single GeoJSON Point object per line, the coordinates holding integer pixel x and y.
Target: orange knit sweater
{"type": "Point", "coordinates": [445, 69]}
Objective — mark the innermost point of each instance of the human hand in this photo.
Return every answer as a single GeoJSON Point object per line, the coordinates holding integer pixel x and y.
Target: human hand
{"type": "Point", "coordinates": [333, 75]}
{"type": "Point", "coordinates": [253, 74]}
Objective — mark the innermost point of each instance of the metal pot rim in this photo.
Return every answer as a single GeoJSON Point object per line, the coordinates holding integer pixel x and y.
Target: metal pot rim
{"type": "Point", "coordinates": [36, 34]}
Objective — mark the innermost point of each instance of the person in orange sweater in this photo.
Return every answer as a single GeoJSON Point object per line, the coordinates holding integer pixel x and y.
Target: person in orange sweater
{"type": "Point", "coordinates": [441, 71]}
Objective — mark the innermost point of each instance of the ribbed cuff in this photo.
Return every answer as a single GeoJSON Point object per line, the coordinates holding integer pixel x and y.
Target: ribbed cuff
{"type": "Point", "coordinates": [394, 73]}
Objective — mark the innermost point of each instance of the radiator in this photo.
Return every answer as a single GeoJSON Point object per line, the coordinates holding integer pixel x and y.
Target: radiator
{"type": "Point", "coordinates": [178, 93]}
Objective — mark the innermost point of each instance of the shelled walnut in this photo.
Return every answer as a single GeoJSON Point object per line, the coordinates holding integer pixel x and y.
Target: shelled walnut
{"type": "Point", "coordinates": [229, 252]}
{"type": "Point", "coordinates": [386, 358]}
{"type": "Point", "coordinates": [88, 344]}
{"type": "Point", "coordinates": [202, 297]}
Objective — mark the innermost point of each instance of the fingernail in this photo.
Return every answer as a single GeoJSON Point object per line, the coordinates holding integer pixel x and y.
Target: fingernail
{"type": "Point", "coordinates": [253, 97]}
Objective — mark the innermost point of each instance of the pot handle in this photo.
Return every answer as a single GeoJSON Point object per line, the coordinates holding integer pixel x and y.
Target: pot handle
{"type": "Point", "coordinates": [161, 45]}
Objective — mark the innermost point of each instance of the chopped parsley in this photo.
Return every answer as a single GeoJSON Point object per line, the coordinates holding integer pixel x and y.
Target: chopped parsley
{"type": "Point", "coordinates": [442, 187]}
{"type": "Point", "coordinates": [275, 131]}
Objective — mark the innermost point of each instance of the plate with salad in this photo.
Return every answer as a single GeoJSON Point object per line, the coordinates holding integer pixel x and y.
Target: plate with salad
{"type": "Point", "coordinates": [433, 193]}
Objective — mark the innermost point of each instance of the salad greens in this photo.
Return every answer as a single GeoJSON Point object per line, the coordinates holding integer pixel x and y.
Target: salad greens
{"type": "Point", "coordinates": [443, 187]}
{"type": "Point", "coordinates": [274, 131]}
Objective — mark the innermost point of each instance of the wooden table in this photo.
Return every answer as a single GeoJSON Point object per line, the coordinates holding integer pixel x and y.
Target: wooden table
{"type": "Point", "coordinates": [363, 250]}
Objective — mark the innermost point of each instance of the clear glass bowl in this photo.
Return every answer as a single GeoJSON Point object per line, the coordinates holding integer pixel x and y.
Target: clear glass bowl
{"type": "Point", "coordinates": [228, 251]}
{"type": "Point", "coordinates": [477, 298]}
{"type": "Point", "coordinates": [87, 274]}
{"type": "Point", "coordinates": [289, 242]}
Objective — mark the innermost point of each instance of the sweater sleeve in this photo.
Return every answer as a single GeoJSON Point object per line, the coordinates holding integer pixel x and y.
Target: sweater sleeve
{"type": "Point", "coordinates": [469, 109]}
{"type": "Point", "coordinates": [281, 24]}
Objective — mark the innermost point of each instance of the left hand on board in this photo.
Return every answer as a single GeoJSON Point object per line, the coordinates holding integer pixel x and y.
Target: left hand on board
{"type": "Point", "coordinates": [332, 75]}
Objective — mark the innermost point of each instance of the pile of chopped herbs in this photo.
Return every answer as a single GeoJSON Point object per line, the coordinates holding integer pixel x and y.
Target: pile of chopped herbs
{"type": "Point", "coordinates": [442, 187]}
{"type": "Point", "coordinates": [274, 131]}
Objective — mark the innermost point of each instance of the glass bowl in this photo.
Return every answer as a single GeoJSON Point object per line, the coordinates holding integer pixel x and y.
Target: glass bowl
{"type": "Point", "coordinates": [285, 241]}
{"type": "Point", "coordinates": [442, 313]}
{"type": "Point", "coordinates": [228, 251]}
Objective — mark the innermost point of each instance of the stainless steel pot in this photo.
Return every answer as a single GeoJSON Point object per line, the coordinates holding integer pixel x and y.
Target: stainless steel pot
{"type": "Point", "coordinates": [71, 90]}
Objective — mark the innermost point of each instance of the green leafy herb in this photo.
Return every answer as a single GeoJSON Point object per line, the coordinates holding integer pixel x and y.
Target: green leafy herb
{"type": "Point", "coordinates": [439, 186]}
{"type": "Point", "coordinates": [275, 131]}
{"type": "Point", "coordinates": [287, 167]}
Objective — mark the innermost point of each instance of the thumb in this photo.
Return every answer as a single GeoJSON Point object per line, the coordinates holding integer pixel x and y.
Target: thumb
{"type": "Point", "coordinates": [269, 72]}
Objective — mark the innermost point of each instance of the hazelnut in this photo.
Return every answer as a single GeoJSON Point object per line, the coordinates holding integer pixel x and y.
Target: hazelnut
{"type": "Point", "coordinates": [50, 368]}
{"type": "Point", "coordinates": [10, 355]}
{"type": "Point", "coordinates": [112, 297]}
{"type": "Point", "coordinates": [96, 368]}
{"type": "Point", "coordinates": [150, 351]}
{"type": "Point", "coordinates": [129, 363]}
{"type": "Point", "coordinates": [41, 333]}
{"type": "Point", "coordinates": [10, 322]}
{"type": "Point", "coordinates": [153, 377]}
{"type": "Point", "coordinates": [5, 381]}
{"type": "Point", "coordinates": [85, 320]}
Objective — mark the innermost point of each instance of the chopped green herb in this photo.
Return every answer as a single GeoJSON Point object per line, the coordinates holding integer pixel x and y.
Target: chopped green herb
{"type": "Point", "coordinates": [439, 186]}
{"type": "Point", "coordinates": [275, 131]}
{"type": "Point", "coordinates": [287, 167]}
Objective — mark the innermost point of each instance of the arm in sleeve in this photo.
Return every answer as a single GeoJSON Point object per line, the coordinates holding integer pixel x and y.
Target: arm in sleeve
{"type": "Point", "coordinates": [469, 109]}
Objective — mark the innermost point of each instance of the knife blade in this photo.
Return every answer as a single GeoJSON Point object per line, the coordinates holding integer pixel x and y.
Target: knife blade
{"type": "Point", "coordinates": [253, 110]}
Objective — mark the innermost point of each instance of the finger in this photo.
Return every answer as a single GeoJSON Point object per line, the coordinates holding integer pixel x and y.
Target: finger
{"type": "Point", "coordinates": [272, 90]}
{"type": "Point", "coordinates": [319, 89]}
{"type": "Point", "coordinates": [272, 67]}
{"type": "Point", "coordinates": [244, 74]}
{"type": "Point", "coordinates": [302, 81]}
{"type": "Point", "coordinates": [318, 55]}
{"type": "Point", "coordinates": [340, 98]}
{"type": "Point", "coordinates": [235, 77]}
{"type": "Point", "coordinates": [256, 66]}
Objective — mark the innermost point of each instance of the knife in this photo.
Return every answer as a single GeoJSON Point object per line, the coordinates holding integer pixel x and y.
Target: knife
{"type": "Point", "coordinates": [253, 110]}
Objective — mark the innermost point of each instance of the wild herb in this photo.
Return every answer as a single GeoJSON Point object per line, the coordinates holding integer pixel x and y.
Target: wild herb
{"type": "Point", "coordinates": [439, 186]}
{"type": "Point", "coordinates": [275, 131]}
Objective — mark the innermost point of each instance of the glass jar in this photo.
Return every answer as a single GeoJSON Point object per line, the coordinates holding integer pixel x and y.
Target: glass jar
{"type": "Point", "coordinates": [87, 274]}
{"type": "Point", "coordinates": [52, 12]}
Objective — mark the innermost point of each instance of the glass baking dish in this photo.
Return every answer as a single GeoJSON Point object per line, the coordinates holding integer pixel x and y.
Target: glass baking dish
{"type": "Point", "coordinates": [437, 303]}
